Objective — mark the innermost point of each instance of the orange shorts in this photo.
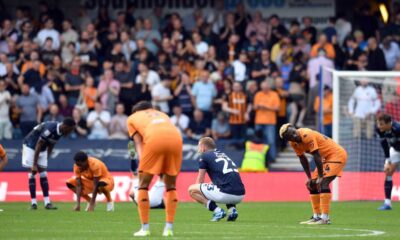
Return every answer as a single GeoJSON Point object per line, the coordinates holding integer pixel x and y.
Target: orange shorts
{"type": "Point", "coordinates": [332, 166]}
{"type": "Point", "coordinates": [88, 185]}
{"type": "Point", "coordinates": [162, 155]}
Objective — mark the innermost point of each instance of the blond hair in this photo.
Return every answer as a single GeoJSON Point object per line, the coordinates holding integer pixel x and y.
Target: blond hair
{"type": "Point", "coordinates": [208, 142]}
{"type": "Point", "coordinates": [283, 129]}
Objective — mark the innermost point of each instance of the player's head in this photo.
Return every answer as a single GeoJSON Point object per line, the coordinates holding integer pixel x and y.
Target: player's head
{"type": "Point", "coordinates": [384, 122]}
{"type": "Point", "coordinates": [289, 133]}
{"type": "Point", "coordinates": [206, 144]}
{"type": "Point", "coordinates": [81, 160]}
{"type": "Point", "coordinates": [142, 105]}
{"type": "Point", "coordinates": [67, 126]}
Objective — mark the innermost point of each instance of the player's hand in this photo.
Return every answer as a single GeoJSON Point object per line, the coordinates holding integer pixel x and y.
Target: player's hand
{"type": "Point", "coordinates": [34, 169]}
{"type": "Point", "coordinates": [308, 184]}
{"type": "Point", "coordinates": [318, 183]}
{"type": "Point", "coordinates": [77, 208]}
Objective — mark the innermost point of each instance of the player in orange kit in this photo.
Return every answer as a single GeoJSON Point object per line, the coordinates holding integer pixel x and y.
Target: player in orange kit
{"type": "Point", "coordinates": [159, 147]}
{"type": "Point", "coordinates": [330, 159]}
{"type": "Point", "coordinates": [91, 176]}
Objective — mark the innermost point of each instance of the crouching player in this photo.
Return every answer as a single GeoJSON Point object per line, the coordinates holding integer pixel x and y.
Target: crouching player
{"type": "Point", "coordinates": [226, 187]}
{"type": "Point", "coordinates": [330, 159]}
{"type": "Point", "coordinates": [91, 176]}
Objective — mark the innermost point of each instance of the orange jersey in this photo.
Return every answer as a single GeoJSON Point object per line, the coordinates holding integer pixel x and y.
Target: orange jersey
{"type": "Point", "coordinates": [270, 99]}
{"type": "Point", "coordinates": [96, 169]}
{"type": "Point", "coordinates": [313, 140]}
{"type": "Point", "coordinates": [151, 124]}
{"type": "Point", "coordinates": [2, 151]}
{"type": "Point", "coordinates": [327, 106]}
{"type": "Point", "coordinates": [238, 102]}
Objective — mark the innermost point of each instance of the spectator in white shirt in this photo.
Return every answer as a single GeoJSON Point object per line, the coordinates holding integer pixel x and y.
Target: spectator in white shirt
{"type": "Point", "coordinates": [128, 46]}
{"type": "Point", "coordinates": [180, 120]}
{"type": "Point", "coordinates": [239, 68]}
{"type": "Point", "coordinates": [50, 32]}
{"type": "Point", "coordinates": [161, 94]}
{"type": "Point", "coordinates": [147, 76]}
{"type": "Point", "coordinates": [363, 106]}
{"type": "Point", "coordinates": [391, 51]}
{"type": "Point", "coordinates": [117, 128]}
{"type": "Point", "coordinates": [5, 123]}
{"type": "Point", "coordinates": [98, 121]}
{"type": "Point", "coordinates": [200, 46]}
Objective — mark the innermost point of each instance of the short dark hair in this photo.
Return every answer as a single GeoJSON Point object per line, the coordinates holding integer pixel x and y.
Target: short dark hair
{"type": "Point", "coordinates": [142, 105]}
{"type": "Point", "coordinates": [69, 122]}
{"type": "Point", "coordinates": [80, 157]}
{"type": "Point", "coordinates": [384, 117]}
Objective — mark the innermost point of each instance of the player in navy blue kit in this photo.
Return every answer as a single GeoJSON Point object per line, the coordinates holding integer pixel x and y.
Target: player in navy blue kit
{"type": "Point", "coordinates": [36, 149]}
{"type": "Point", "coordinates": [226, 187]}
{"type": "Point", "coordinates": [389, 133]}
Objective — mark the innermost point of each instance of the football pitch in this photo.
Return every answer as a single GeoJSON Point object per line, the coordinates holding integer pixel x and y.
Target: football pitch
{"type": "Point", "coordinates": [351, 220]}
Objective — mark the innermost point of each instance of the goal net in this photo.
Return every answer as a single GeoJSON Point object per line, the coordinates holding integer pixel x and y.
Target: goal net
{"type": "Point", "coordinates": [358, 98]}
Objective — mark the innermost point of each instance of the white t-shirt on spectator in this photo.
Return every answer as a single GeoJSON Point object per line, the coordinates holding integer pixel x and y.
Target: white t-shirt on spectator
{"type": "Point", "coordinates": [5, 98]}
{"type": "Point", "coordinates": [239, 71]}
{"type": "Point", "coordinates": [152, 79]}
{"type": "Point", "coordinates": [53, 34]}
{"type": "Point", "coordinates": [97, 127]}
{"type": "Point", "coordinates": [201, 48]}
{"type": "Point", "coordinates": [391, 55]}
{"type": "Point", "coordinates": [181, 122]}
{"type": "Point", "coordinates": [364, 101]}
{"type": "Point", "coordinates": [161, 91]}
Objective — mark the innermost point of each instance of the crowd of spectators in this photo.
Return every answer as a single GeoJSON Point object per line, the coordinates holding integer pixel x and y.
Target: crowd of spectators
{"type": "Point", "coordinates": [217, 73]}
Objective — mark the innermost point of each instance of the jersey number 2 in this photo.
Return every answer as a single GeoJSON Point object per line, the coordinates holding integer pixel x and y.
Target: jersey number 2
{"type": "Point", "coordinates": [227, 168]}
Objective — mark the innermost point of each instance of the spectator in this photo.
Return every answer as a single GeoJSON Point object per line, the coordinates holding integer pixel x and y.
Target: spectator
{"type": "Point", "coordinates": [5, 123]}
{"type": "Point", "coordinates": [47, 52]}
{"type": "Point", "coordinates": [53, 114]}
{"type": "Point", "coordinates": [11, 80]}
{"type": "Point", "coordinates": [73, 81]}
{"type": "Point", "coordinates": [220, 128]}
{"type": "Point", "coordinates": [263, 67]}
{"type": "Point", "coordinates": [126, 80]}
{"type": "Point", "coordinates": [376, 58]}
{"type": "Point", "coordinates": [128, 45]}
{"type": "Point", "coordinates": [147, 76]}
{"type": "Point", "coordinates": [69, 34]}
{"type": "Point", "coordinates": [198, 128]}
{"type": "Point", "coordinates": [46, 97]}
{"type": "Point", "coordinates": [183, 95]}
{"type": "Point", "coordinates": [98, 122]}
{"type": "Point", "coordinates": [327, 106]}
{"type": "Point", "coordinates": [50, 32]}
{"type": "Point", "coordinates": [330, 30]}
{"type": "Point", "coordinates": [81, 129]}
{"type": "Point", "coordinates": [360, 40]}
{"type": "Point", "coordinates": [309, 31]}
{"type": "Point", "coordinates": [65, 108]}
{"type": "Point", "coordinates": [161, 94]}
{"type": "Point", "coordinates": [266, 105]}
{"type": "Point", "coordinates": [8, 33]}
{"type": "Point", "coordinates": [88, 58]}
{"type": "Point", "coordinates": [240, 72]}
{"type": "Point", "coordinates": [29, 64]}
{"type": "Point", "coordinates": [150, 36]}
{"type": "Point", "coordinates": [297, 94]}
{"type": "Point", "coordinates": [277, 29]}
{"type": "Point", "coordinates": [238, 107]}
{"type": "Point", "coordinates": [258, 26]}
{"type": "Point", "coordinates": [343, 28]}
{"type": "Point", "coordinates": [108, 91]}
{"type": "Point", "coordinates": [230, 49]}
{"type": "Point", "coordinates": [204, 92]}
{"type": "Point", "coordinates": [324, 44]}
{"type": "Point", "coordinates": [117, 127]}
{"type": "Point", "coordinates": [363, 106]}
{"type": "Point", "coordinates": [29, 110]}
{"type": "Point", "coordinates": [180, 120]}
{"type": "Point", "coordinates": [391, 51]}
{"type": "Point", "coordinates": [200, 46]}
{"type": "Point", "coordinates": [282, 113]}
{"type": "Point", "coordinates": [32, 77]}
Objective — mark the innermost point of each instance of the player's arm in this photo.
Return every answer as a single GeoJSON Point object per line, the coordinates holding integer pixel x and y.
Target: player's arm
{"type": "Point", "coordinates": [385, 146]}
{"type": "Point", "coordinates": [96, 181]}
{"type": "Point", "coordinates": [78, 193]}
{"type": "Point", "coordinates": [318, 164]}
{"type": "Point", "coordinates": [38, 147]}
{"type": "Point", "coordinates": [137, 139]}
{"type": "Point", "coordinates": [3, 162]}
{"type": "Point", "coordinates": [201, 176]}
{"type": "Point", "coordinates": [305, 165]}
{"type": "Point", "coordinates": [50, 150]}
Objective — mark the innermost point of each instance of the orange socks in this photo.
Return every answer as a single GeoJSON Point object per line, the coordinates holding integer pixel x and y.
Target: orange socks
{"type": "Point", "coordinates": [144, 205]}
{"type": "Point", "coordinates": [315, 203]}
{"type": "Point", "coordinates": [325, 202]}
{"type": "Point", "coordinates": [171, 203]}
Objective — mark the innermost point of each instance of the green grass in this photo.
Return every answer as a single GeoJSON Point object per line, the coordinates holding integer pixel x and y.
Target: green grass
{"type": "Point", "coordinates": [256, 221]}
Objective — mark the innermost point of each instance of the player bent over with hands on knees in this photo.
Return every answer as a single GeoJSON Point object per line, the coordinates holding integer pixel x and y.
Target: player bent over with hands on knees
{"type": "Point", "coordinates": [91, 176]}
{"type": "Point", "coordinates": [226, 187]}
{"type": "Point", "coordinates": [389, 133]}
{"type": "Point", "coordinates": [36, 149]}
{"type": "Point", "coordinates": [330, 159]}
{"type": "Point", "coordinates": [159, 147]}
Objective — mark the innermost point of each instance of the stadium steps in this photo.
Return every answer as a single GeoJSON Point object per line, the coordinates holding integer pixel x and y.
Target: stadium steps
{"type": "Point", "coordinates": [286, 161]}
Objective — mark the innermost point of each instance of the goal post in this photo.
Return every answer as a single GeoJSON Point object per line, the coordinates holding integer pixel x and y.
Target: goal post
{"type": "Point", "coordinates": [362, 177]}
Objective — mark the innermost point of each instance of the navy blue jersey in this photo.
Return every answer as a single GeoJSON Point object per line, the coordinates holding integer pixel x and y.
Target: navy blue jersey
{"type": "Point", "coordinates": [47, 131]}
{"type": "Point", "coordinates": [222, 171]}
{"type": "Point", "coordinates": [390, 138]}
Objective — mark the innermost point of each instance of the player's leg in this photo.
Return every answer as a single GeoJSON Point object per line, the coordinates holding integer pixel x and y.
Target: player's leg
{"type": "Point", "coordinates": [143, 203]}
{"type": "Point", "coordinates": [27, 162]}
{"type": "Point", "coordinates": [325, 200]}
{"type": "Point", "coordinates": [208, 195]}
{"type": "Point", "coordinates": [133, 193]}
{"type": "Point", "coordinates": [389, 170]}
{"type": "Point", "coordinates": [71, 185]}
{"type": "Point", "coordinates": [315, 203]}
{"type": "Point", "coordinates": [105, 186]}
{"type": "Point", "coordinates": [171, 203]}
{"type": "Point", "coordinates": [44, 184]}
